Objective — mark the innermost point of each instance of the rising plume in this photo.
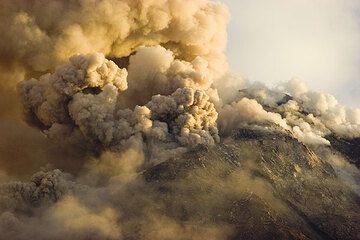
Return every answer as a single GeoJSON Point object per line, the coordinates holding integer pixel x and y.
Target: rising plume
{"type": "Point", "coordinates": [111, 88]}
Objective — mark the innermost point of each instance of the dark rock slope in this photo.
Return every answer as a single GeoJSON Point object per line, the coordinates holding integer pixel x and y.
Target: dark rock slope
{"type": "Point", "coordinates": [349, 148]}
{"type": "Point", "coordinates": [258, 185]}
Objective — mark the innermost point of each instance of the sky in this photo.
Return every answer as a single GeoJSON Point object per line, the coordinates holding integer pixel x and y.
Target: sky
{"type": "Point", "coordinates": [318, 41]}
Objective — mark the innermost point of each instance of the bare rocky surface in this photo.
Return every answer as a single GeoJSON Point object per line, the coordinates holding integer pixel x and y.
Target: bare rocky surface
{"type": "Point", "coordinates": [264, 184]}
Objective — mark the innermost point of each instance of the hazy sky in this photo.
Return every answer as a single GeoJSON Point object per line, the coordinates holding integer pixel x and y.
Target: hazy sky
{"type": "Point", "coordinates": [316, 40]}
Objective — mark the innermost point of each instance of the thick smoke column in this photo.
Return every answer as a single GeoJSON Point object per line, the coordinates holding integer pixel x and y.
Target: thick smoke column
{"type": "Point", "coordinates": [84, 94]}
{"type": "Point", "coordinates": [167, 96]}
{"type": "Point", "coordinates": [44, 35]}
{"type": "Point", "coordinates": [187, 52]}
{"type": "Point", "coordinates": [91, 95]}
{"type": "Point", "coordinates": [173, 44]}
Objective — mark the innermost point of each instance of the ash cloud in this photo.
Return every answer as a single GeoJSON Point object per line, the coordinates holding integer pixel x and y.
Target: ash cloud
{"type": "Point", "coordinates": [83, 97]}
{"type": "Point", "coordinates": [104, 125]}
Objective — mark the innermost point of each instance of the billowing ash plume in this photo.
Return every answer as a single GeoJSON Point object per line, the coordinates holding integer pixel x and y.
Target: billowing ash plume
{"type": "Point", "coordinates": [116, 86]}
{"type": "Point", "coordinates": [48, 34]}
{"type": "Point", "coordinates": [90, 94]}
{"type": "Point", "coordinates": [309, 116]}
{"type": "Point", "coordinates": [161, 47]}
{"type": "Point", "coordinates": [340, 120]}
{"type": "Point", "coordinates": [84, 96]}
{"type": "Point", "coordinates": [43, 188]}
{"type": "Point", "coordinates": [187, 52]}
